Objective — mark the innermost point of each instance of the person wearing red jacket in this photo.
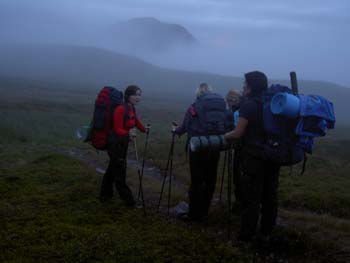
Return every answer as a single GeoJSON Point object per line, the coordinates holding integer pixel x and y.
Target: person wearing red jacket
{"type": "Point", "coordinates": [124, 122]}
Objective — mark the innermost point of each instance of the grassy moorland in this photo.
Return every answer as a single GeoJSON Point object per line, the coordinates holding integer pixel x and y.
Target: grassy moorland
{"type": "Point", "coordinates": [49, 210]}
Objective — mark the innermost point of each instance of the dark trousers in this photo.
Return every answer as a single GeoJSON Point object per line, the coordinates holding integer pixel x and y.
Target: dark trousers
{"type": "Point", "coordinates": [259, 184]}
{"type": "Point", "coordinates": [116, 172]}
{"type": "Point", "coordinates": [203, 167]}
{"type": "Point", "coordinates": [237, 175]}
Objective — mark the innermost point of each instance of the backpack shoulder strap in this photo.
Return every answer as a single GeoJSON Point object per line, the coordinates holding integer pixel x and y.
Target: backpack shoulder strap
{"type": "Point", "coordinates": [134, 109]}
{"type": "Point", "coordinates": [126, 115]}
{"type": "Point", "coordinates": [127, 108]}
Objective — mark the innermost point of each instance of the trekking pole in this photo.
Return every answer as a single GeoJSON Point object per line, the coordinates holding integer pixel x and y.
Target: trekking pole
{"type": "Point", "coordinates": [236, 173]}
{"type": "Point", "coordinates": [139, 173]}
{"type": "Point", "coordinates": [229, 190]}
{"type": "Point", "coordinates": [170, 176]}
{"type": "Point", "coordinates": [148, 126]}
{"type": "Point", "coordinates": [223, 175]}
{"type": "Point", "coordinates": [167, 169]}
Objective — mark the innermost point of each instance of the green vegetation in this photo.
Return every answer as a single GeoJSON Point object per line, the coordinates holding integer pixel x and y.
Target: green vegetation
{"type": "Point", "coordinates": [49, 211]}
{"type": "Point", "coordinates": [324, 186]}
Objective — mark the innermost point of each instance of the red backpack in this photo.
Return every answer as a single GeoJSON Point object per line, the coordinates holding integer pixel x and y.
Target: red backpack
{"type": "Point", "coordinates": [107, 100]}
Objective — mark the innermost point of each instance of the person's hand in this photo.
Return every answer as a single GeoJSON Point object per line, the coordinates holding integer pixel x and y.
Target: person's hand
{"type": "Point", "coordinates": [148, 127]}
{"type": "Point", "coordinates": [226, 136]}
{"type": "Point", "coordinates": [173, 127]}
{"type": "Point", "coordinates": [132, 132]}
{"type": "Point", "coordinates": [229, 138]}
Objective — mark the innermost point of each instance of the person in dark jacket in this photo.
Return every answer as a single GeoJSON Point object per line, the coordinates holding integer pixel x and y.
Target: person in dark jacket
{"type": "Point", "coordinates": [259, 180]}
{"type": "Point", "coordinates": [233, 99]}
{"type": "Point", "coordinates": [203, 167]}
{"type": "Point", "coordinates": [124, 121]}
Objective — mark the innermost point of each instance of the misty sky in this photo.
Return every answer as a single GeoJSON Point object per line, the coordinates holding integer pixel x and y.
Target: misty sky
{"type": "Point", "coordinates": [275, 36]}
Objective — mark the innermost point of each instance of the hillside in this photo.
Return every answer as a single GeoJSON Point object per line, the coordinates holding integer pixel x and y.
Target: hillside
{"type": "Point", "coordinates": [92, 68]}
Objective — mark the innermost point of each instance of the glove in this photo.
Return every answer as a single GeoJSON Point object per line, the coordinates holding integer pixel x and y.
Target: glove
{"type": "Point", "coordinates": [132, 132]}
{"type": "Point", "coordinates": [173, 129]}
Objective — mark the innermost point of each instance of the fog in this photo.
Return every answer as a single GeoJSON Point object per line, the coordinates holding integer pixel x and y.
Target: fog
{"type": "Point", "coordinates": [311, 37]}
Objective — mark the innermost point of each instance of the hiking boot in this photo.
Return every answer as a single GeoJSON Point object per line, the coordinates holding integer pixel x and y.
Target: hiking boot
{"type": "Point", "coordinates": [236, 208]}
{"type": "Point", "coordinates": [261, 241]}
{"type": "Point", "coordinates": [104, 199]}
{"type": "Point", "coordinates": [200, 219]}
{"type": "Point", "coordinates": [184, 217]}
{"type": "Point", "coordinates": [130, 204]}
{"type": "Point", "coordinates": [188, 218]}
{"type": "Point", "coordinates": [244, 238]}
{"type": "Point", "coordinates": [138, 206]}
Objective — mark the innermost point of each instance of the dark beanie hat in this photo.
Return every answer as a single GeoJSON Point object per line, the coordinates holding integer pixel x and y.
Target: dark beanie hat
{"type": "Point", "coordinates": [129, 91]}
{"type": "Point", "coordinates": [257, 81]}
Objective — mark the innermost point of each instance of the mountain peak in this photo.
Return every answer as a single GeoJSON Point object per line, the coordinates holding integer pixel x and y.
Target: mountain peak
{"type": "Point", "coordinates": [144, 20]}
{"type": "Point", "coordinates": [149, 33]}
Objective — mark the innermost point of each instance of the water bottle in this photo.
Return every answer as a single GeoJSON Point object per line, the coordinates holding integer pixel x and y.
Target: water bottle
{"type": "Point", "coordinates": [82, 132]}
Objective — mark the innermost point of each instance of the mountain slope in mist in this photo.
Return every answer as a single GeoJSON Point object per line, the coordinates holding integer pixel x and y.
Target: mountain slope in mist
{"type": "Point", "coordinates": [150, 34]}
{"type": "Point", "coordinates": [93, 68]}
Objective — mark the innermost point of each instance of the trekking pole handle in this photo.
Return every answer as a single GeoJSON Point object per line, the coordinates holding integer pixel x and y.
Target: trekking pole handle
{"type": "Point", "coordinates": [148, 127]}
{"type": "Point", "coordinates": [294, 82]}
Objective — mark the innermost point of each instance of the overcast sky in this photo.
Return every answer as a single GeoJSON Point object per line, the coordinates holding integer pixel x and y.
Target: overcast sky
{"type": "Point", "coordinates": [276, 36]}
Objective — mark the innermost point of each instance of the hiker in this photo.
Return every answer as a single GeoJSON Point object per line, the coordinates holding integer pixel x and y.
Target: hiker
{"type": "Point", "coordinates": [124, 120]}
{"type": "Point", "coordinates": [203, 164]}
{"type": "Point", "coordinates": [259, 180]}
{"type": "Point", "coordinates": [233, 99]}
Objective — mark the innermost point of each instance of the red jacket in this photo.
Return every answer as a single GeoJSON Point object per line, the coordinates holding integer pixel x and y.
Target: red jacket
{"type": "Point", "coordinates": [123, 124]}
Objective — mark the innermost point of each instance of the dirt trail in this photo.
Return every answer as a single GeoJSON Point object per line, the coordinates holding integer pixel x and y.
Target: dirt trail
{"type": "Point", "coordinates": [322, 228]}
{"type": "Point", "coordinates": [152, 180]}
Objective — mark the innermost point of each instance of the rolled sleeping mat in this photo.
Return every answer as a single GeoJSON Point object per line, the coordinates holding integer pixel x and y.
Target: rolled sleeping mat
{"type": "Point", "coordinates": [285, 104]}
{"type": "Point", "coordinates": [210, 142]}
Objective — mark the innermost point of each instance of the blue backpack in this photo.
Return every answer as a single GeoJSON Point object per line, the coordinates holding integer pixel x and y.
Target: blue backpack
{"type": "Point", "coordinates": [209, 115]}
{"type": "Point", "coordinates": [282, 145]}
